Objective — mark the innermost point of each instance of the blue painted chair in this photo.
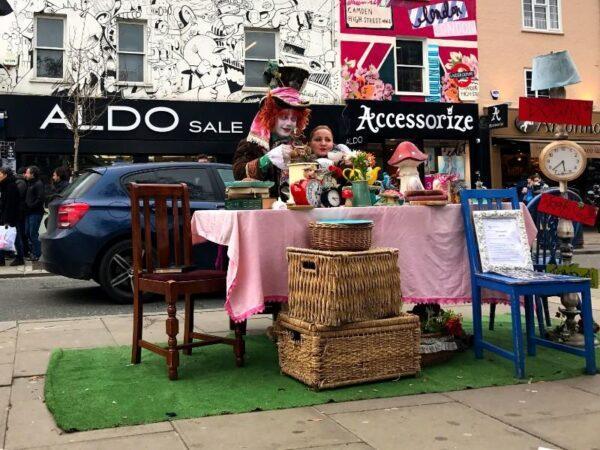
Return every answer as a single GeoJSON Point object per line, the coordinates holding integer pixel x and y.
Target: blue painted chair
{"type": "Point", "coordinates": [515, 288]}
{"type": "Point", "coordinates": [547, 245]}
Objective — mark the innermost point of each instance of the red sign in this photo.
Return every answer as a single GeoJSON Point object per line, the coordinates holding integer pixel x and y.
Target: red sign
{"type": "Point", "coordinates": [568, 209]}
{"type": "Point", "coordinates": [461, 75]}
{"type": "Point", "coordinates": [556, 110]}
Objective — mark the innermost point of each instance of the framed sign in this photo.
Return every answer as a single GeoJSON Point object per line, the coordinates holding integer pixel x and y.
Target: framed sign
{"type": "Point", "coordinates": [498, 116]}
{"type": "Point", "coordinates": [502, 240]}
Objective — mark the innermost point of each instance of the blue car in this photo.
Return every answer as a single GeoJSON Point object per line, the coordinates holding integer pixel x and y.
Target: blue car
{"type": "Point", "coordinates": [88, 232]}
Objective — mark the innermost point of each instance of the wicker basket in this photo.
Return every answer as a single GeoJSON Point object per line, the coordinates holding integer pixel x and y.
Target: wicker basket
{"type": "Point", "coordinates": [333, 288]}
{"type": "Point", "coordinates": [328, 357]}
{"type": "Point", "coordinates": [337, 237]}
{"type": "Point", "coordinates": [438, 357]}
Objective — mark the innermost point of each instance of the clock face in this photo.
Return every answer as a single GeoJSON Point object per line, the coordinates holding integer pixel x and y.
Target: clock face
{"type": "Point", "coordinates": [331, 198]}
{"type": "Point", "coordinates": [313, 193]}
{"type": "Point", "coordinates": [562, 162]}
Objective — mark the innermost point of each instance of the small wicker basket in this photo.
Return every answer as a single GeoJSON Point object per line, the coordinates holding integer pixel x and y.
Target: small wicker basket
{"type": "Point", "coordinates": [339, 237]}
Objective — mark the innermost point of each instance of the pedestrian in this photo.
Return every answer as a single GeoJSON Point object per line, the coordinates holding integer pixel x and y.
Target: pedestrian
{"type": "Point", "coordinates": [9, 209]}
{"type": "Point", "coordinates": [22, 242]}
{"type": "Point", "coordinates": [203, 158]}
{"type": "Point", "coordinates": [60, 179]}
{"type": "Point", "coordinates": [34, 203]}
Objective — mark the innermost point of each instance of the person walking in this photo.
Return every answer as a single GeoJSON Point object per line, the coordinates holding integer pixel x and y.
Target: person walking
{"type": "Point", "coordinates": [9, 209]}
{"type": "Point", "coordinates": [21, 243]}
{"type": "Point", "coordinates": [34, 203]}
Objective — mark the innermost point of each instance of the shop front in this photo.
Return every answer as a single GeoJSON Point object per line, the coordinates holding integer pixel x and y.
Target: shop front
{"type": "Point", "coordinates": [515, 150]}
{"type": "Point", "coordinates": [446, 132]}
{"type": "Point", "coordinates": [35, 130]}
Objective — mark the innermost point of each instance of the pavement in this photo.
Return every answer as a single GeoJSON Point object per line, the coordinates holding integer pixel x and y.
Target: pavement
{"type": "Point", "coordinates": [551, 415]}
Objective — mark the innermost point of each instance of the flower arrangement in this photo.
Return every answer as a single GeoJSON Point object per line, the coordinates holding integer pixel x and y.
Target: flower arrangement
{"type": "Point", "coordinates": [363, 167]}
{"type": "Point", "coordinates": [364, 84]}
{"type": "Point", "coordinates": [446, 322]}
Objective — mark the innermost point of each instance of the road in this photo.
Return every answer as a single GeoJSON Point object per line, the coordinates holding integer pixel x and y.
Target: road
{"type": "Point", "coordinates": [56, 297]}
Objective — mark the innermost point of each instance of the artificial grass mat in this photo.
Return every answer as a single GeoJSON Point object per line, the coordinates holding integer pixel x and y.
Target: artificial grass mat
{"type": "Point", "coordinates": [99, 388]}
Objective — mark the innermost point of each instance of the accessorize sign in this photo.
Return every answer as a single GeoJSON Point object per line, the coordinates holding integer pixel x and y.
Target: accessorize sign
{"type": "Point", "coordinates": [390, 120]}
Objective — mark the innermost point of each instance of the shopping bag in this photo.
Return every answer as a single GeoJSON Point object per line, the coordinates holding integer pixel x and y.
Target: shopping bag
{"type": "Point", "coordinates": [7, 238]}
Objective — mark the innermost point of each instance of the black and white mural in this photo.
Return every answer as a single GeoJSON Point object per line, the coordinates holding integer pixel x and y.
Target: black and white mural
{"type": "Point", "coordinates": [194, 48]}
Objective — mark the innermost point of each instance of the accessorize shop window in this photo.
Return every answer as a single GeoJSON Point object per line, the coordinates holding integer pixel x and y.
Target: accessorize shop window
{"type": "Point", "coordinates": [542, 15]}
{"type": "Point", "coordinates": [260, 46]}
{"type": "Point", "coordinates": [131, 51]}
{"type": "Point", "coordinates": [410, 66]}
{"type": "Point", "coordinates": [49, 47]}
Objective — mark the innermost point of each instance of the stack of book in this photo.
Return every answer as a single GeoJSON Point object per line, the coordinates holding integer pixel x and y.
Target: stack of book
{"type": "Point", "coordinates": [247, 194]}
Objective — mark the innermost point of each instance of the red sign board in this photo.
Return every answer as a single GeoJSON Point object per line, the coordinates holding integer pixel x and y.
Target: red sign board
{"type": "Point", "coordinates": [568, 209]}
{"type": "Point", "coordinates": [461, 75]}
{"type": "Point", "coordinates": [556, 110]}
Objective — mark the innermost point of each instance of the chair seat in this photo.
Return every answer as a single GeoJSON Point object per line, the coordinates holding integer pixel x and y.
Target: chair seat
{"type": "Point", "coordinates": [194, 275]}
{"type": "Point", "coordinates": [555, 278]}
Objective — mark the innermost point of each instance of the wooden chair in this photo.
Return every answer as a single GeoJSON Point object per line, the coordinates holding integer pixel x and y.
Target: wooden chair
{"type": "Point", "coordinates": [161, 237]}
{"type": "Point", "coordinates": [515, 288]}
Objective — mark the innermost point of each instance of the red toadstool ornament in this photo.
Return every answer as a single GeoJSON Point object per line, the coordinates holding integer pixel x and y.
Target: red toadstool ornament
{"type": "Point", "coordinates": [407, 158]}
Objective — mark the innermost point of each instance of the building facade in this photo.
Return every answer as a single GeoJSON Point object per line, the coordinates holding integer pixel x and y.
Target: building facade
{"type": "Point", "coordinates": [188, 74]}
{"type": "Point", "coordinates": [510, 37]}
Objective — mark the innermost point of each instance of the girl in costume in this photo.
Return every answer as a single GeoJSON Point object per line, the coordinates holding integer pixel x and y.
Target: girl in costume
{"type": "Point", "coordinates": [265, 153]}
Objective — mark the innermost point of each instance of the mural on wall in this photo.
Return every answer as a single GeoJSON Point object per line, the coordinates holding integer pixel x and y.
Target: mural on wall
{"type": "Point", "coordinates": [194, 48]}
{"type": "Point", "coordinates": [452, 72]}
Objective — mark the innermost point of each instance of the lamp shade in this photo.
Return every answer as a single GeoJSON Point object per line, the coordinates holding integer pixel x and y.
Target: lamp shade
{"type": "Point", "coordinates": [553, 70]}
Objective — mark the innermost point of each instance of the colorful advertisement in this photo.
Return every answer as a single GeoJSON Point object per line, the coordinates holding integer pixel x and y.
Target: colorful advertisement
{"type": "Point", "coordinates": [460, 81]}
{"type": "Point", "coordinates": [376, 14]}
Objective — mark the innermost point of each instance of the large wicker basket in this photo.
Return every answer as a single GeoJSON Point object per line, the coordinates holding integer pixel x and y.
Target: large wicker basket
{"type": "Point", "coordinates": [327, 357]}
{"type": "Point", "coordinates": [333, 288]}
{"type": "Point", "coordinates": [339, 237]}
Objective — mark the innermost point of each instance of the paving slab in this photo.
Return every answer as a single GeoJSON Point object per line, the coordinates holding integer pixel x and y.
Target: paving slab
{"type": "Point", "coordinates": [8, 325]}
{"type": "Point", "coordinates": [169, 441]}
{"type": "Point", "coordinates": [585, 383]}
{"type": "Point", "coordinates": [283, 429]}
{"type": "Point", "coordinates": [28, 412]}
{"type": "Point", "coordinates": [515, 404]}
{"type": "Point", "coordinates": [79, 333]}
{"type": "Point", "coordinates": [6, 373]}
{"type": "Point", "coordinates": [31, 363]}
{"type": "Point", "coordinates": [8, 345]}
{"type": "Point", "coordinates": [439, 426]}
{"type": "Point", "coordinates": [121, 328]}
{"type": "Point", "coordinates": [578, 432]}
{"type": "Point", "coordinates": [382, 403]}
{"type": "Point", "coordinates": [352, 446]}
{"type": "Point", "coordinates": [4, 408]}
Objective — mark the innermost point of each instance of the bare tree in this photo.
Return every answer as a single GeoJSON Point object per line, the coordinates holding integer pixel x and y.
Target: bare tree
{"type": "Point", "coordinates": [88, 88]}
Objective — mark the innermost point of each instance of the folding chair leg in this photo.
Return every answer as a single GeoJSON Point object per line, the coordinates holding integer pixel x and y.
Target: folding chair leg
{"type": "Point", "coordinates": [540, 315]}
{"type": "Point", "coordinates": [492, 315]}
{"type": "Point", "coordinates": [588, 332]}
{"type": "Point", "coordinates": [188, 326]}
{"type": "Point", "coordinates": [477, 327]}
{"type": "Point", "coordinates": [530, 325]}
{"type": "Point", "coordinates": [138, 326]}
{"type": "Point", "coordinates": [546, 312]}
{"type": "Point", "coordinates": [172, 326]}
{"type": "Point", "coordinates": [517, 335]}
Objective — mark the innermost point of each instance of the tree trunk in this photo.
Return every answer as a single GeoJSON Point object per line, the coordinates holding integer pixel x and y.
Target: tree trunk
{"type": "Point", "coordinates": [75, 153]}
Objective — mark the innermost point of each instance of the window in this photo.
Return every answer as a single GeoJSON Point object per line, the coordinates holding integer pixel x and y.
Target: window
{"type": "Point", "coordinates": [542, 15]}
{"type": "Point", "coordinates": [410, 66]}
{"type": "Point", "coordinates": [528, 91]}
{"type": "Point", "coordinates": [49, 47]}
{"type": "Point", "coordinates": [198, 181]}
{"type": "Point", "coordinates": [131, 52]}
{"type": "Point", "coordinates": [260, 47]}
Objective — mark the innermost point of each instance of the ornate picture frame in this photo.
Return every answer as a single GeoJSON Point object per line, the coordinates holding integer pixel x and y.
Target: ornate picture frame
{"type": "Point", "coordinates": [502, 240]}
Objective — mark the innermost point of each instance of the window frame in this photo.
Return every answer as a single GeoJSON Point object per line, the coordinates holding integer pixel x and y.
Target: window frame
{"type": "Point", "coordinates": [424, 67]}
{"type": "Point", "coordinates": [36, 47]}
{"type": "Point", "coordinates": [527, 90]}
{"type": "Point", "coordinates": [144, 24]}
{"type": "Point", "coordinates": [548, 28]}
{"type": "Point", "coordinates": [273, 31]}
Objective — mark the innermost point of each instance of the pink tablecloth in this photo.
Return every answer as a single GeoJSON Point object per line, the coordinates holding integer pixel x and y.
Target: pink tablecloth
{"type": "Point", "coordinates": [433, 260]}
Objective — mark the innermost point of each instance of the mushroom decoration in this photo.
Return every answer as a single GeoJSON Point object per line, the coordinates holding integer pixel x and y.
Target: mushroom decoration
{"type": "Point", "coordinates": [407, 158]}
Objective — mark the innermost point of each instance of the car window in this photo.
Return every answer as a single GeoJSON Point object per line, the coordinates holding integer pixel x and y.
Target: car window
{"type": "Point", "coordinates": [81, 185]}
{"type": "Point", "coordinates": [197, 179]}
{"type": "Point", "coordinates": [226, 175]}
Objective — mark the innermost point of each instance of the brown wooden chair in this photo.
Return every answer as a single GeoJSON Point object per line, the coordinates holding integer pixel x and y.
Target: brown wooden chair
{"type": "Point", "coordinates": [161, 237]}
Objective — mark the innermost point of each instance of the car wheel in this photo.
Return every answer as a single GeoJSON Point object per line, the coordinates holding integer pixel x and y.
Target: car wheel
{"type": "Point", "coordinates": [115, 273]}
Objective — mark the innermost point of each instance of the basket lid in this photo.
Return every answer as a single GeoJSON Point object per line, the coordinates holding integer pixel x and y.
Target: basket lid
{"type": "Point", "coordinates": [347, 222]}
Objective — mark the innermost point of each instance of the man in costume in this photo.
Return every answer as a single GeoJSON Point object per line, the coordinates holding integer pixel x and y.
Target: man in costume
{"type": "Point", "coordinates": [265, 153]}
